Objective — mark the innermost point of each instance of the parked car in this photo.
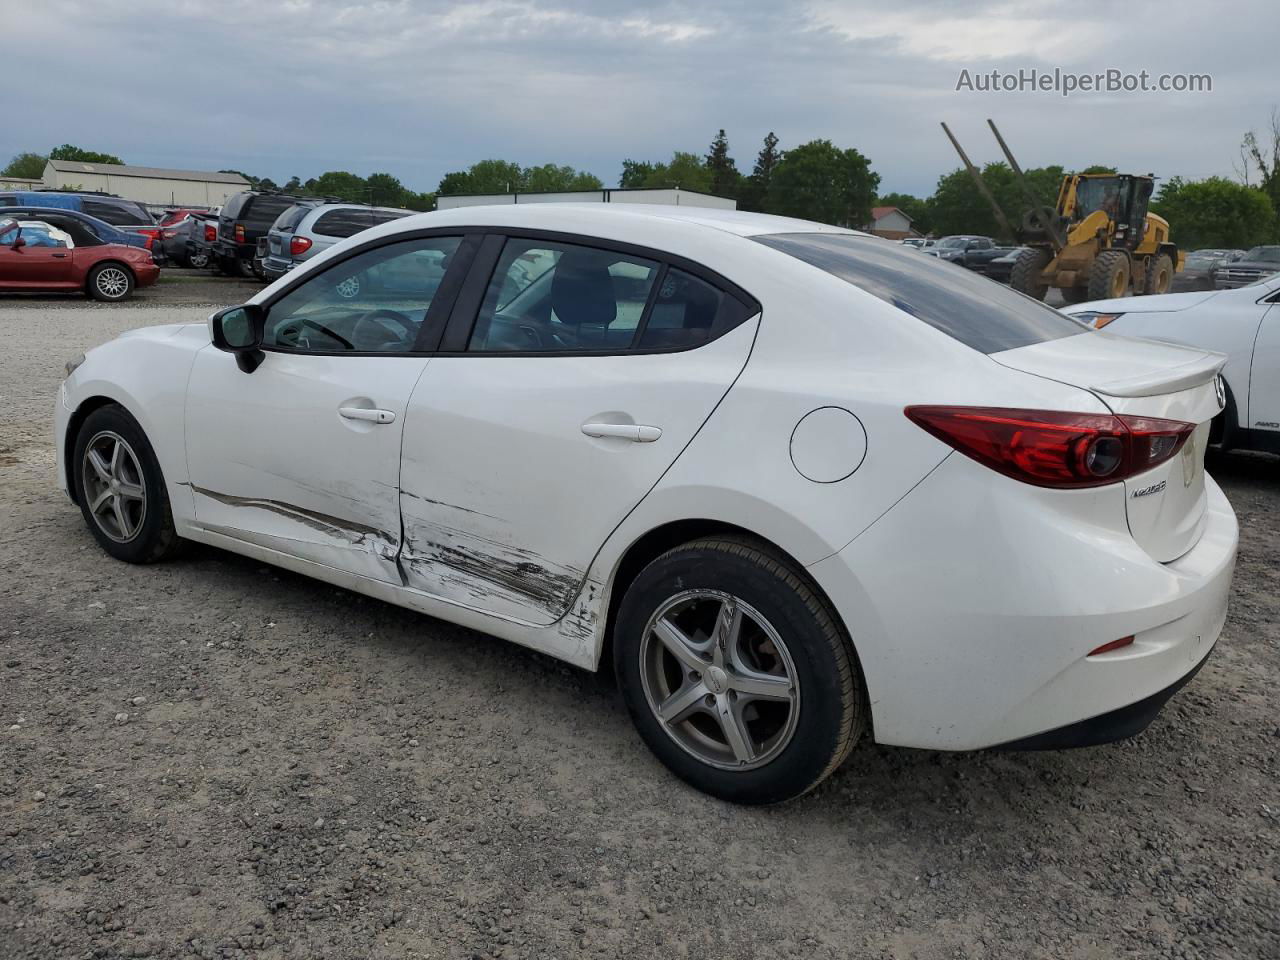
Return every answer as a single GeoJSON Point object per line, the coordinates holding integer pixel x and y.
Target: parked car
{"type": "Point", "coordinates": [1242, 322]}
{"type": "Point", "coordinates": [967, 251]}
{"type": "Point", "coordinates": [1254, 265]}
{"type": "Point", "coordinates": [917, 242]}
{"type": "Point", "coordinates": [1000, 268]}
{"type": "Point", "coordinates": [641, 435]}
{"type": "Point", "coordinates": [126, 214]}
{"type": "Point", "coordinates": [101, 229]}
{"type": "Point", "coordinates": [244, 218]}
{"type": "Point", "coordinates": [176, 216]}
{"type": "Point", "coordinates": [200, 237]}
{"type": "Point", "coordinates": [64, 255]}
{"type": "Point", "coordinates": [177, 240]}
{"type": "Point", "coordinates": [310, 227]}
{"type": "Point", "coordinates": [1197, 272]}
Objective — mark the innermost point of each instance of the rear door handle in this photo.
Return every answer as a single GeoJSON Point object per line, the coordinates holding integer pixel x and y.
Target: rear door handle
{"type": "Point", "coordinates": [635, 432]}
{"type": "Point", "coordinates": [364, 413]}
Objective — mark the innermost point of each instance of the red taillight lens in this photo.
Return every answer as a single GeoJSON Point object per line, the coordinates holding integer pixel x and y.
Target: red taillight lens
{"type": "Point", "coordinates": [299, 245]}
{"type": "Point", "coordinates": [210, 234]}
{"type": "Point", "coordinates": [1053, 449]}
{"type": "Point", "coordinates": [1113, 645]}
{"type": "Point", "coordinates": [239, 233]}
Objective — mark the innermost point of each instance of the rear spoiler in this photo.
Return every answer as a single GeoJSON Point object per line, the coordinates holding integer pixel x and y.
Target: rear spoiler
{"type": "Point", "coordinates": [1195, 372]}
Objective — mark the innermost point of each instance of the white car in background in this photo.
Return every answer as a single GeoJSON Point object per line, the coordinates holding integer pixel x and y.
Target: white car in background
{"type": "Point", "coordinates": [1243, 323]}
{"type": "Point", "coordinates": [793, 483]}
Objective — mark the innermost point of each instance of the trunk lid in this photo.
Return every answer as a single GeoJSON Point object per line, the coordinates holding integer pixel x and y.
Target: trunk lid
{"type": "Point", "coordinates": [1166, 504]}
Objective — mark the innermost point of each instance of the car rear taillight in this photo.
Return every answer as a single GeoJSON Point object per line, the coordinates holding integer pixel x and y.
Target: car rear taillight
{"type": "Point", "coordinates": [239, 231]}
{"type": "Point", "coordinates": [210, 234]}
{"type": "Point", "coordinates": [299, 245]}
{"type": "Point", "coordinates": [1052, 449]}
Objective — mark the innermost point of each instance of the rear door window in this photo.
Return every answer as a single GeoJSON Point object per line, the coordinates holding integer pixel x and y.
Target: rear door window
{"type": "Point", "coordinates": [348, 221]}
{"type": "Point", "coordinates": [980, 313]}
{"type": "Point", "coordinates": [117, 213]}
{"type": "Point", "coordinates": [288, 221]}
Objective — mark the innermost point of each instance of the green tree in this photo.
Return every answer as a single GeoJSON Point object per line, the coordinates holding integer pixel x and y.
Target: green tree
{"type": "Point", "coordinates": [1099, 168]}
{"type": "Point", "coordinates": [293, 185]}
{"type": "Point", "coordinates": [459, 181]}
{"type": "Point", "coordinates": [914, 207]}
{"type": "Point", "coordinates": [755, 189]}
{"type": "Point", "coordinates": [819, 181]}
{"type": "Point", "coordinates": [341, 184]}
{"type": "Point", "coordinates": [1264, 156]}
{"type": "Point", "coordinates": [69, 152]}
{"type": "Point", "coordinates": [725, 178]}
{"type": "Point", "coordinates": [685, 170]}
{"type": "Point", "coordinates": [634, 173]}
{"type": "Point", "coordinates": [1215, 212]}
{"type": "Point", "coordinates": [26, 166]}
{"type": "Point", "coordinates": [551, 177]}
{"type": "Point", "coordinates": [958, 207]}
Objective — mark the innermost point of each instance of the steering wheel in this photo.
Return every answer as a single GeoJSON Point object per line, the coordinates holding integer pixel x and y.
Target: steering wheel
{"type": "Point", "coordinates": [316, 325]}
{"type": "Point", "coordinates": [379, 323]}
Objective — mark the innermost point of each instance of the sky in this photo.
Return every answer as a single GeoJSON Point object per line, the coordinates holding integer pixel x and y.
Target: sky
{"type": "Point", "coordinates": [418, 88]}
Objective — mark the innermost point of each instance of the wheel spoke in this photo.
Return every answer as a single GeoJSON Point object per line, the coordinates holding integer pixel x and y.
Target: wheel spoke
{"type": "Point", "coordinates": [728, 628]}
{"type": "Point", "coordinates": [116, 454]}
{"type": "Point", "coordinates": [122, 518]}
{"type": "Point", "coordinates": [686, 700]}
{"type": "Point", "coordinates": [679, 644]}
{"type": "Point", "coordinates": [735, 730]}
{"type": "Point", "coordinates": [100, 466]}
{"type": "Point", "coordinates": [99, 500]}
{"type": "Point", "coordinates": [760, 686]}
{"type": "Point", "coordinates": [130, 491]}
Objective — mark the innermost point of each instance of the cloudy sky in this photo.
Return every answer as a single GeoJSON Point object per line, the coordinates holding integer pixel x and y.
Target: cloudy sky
{"type": "Point", "coordinates": [421, 87]}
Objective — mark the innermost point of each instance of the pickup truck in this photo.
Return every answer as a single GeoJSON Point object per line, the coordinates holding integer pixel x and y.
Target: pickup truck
{"type": "Point", "coordinates": [967, 251]}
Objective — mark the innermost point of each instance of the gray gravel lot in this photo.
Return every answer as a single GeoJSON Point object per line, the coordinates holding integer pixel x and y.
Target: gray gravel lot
{"type": "Point", "coordinates": [213, 758]}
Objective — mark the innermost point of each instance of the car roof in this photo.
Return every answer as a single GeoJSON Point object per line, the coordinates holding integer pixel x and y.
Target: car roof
{"type": "Point", "coordinates": [60, 212]}
{"type": "Point", "coordinates": [586, 217]}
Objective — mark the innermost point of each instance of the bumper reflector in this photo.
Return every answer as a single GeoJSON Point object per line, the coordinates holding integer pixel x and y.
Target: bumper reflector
{"type": "Point", "coordinates": [1113, 645]}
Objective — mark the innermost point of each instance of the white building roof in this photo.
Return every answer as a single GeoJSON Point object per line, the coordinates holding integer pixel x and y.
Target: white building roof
{"type": "Point", "coordinates": [153, 173]}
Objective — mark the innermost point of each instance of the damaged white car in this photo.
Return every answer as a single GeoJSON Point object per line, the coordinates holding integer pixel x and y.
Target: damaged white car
{"type": "Point", "coordinates": [795, 484]}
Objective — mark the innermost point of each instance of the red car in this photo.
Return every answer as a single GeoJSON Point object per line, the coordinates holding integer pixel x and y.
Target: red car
{"type": "Point", "coordinates": [38, 255]}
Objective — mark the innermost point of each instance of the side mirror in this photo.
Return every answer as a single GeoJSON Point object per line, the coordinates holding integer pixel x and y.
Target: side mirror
{"type": "Point", "coordinates": [239, 330]}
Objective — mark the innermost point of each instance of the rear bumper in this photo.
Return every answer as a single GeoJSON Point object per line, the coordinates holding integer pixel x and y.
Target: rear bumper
{"type": "Point", "coordinates": [276, 267]}
{"type": "Point", "coordinates": [146, 274]}
{"type": "Point", "coordinates": [974, 605]}
{"type": "Point", "coordinates": [1118, 724]}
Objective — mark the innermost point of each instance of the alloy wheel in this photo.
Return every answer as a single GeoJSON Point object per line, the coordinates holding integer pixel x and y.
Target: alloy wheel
{"type": "Point", "coordinates": [112, 282]}
{"type": "Point", "coordinates": [113, 485]}
{"type": "Point", "coordinates": [719, 679]}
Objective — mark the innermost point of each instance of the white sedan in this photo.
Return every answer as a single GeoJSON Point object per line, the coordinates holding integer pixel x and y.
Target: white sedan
{"type": "Point", "coordinates": [1243, 323]}
{"type": "Point", "coordinates": [795, 484]}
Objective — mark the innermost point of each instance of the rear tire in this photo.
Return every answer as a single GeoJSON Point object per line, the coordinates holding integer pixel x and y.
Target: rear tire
{"type": "Point", "coordinates": [1159, 274]}
{"type": "Point", "coordinates": [1025, 275]}
{"type": "Point", "coordinates": [198, 261]}
{"type": "Point", "coordinates": [120, 488]}
{"type": "Point", "coordinates": [1109, 275]}
{"type": "Point", "coordinates": [110, 282]}
{"type": "Point", "coordinates": [1074, 294]}
{"type": "Point", "coordinates": [765, 714]}
{"type": "Point", "coordinates": [244, 268]}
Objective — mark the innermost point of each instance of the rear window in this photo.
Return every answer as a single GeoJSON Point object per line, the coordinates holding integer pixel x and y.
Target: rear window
{"type": "Point", "coordinates": [978, 312]}
{"type": "Point", "coordinates": [349, 221]}
{"type": "Point", "coordinates": [264, 210]}
{"type": "Point", "coordinates": [119, 213]}
{"type": "Point", "coordinates": [290, 219]}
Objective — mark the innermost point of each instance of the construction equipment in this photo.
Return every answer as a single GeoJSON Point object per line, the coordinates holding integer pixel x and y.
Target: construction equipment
{"type": "Point", "coordinates": [1098, 243]}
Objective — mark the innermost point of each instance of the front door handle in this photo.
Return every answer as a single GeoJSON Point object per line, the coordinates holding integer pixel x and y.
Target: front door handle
{"type": "Point", "coordinates": [364, 413]}
{"type": "Point", "coordinates": [635, 432]}
{"type": "Point", "coordinates": [60, 256]}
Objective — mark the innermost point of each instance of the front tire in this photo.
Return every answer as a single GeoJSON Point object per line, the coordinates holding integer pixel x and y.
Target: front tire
{"type": "Point", "coordinates": [1159, 274]}
{"type": "Point", "coordinates": [1027, 268]}
{"type": "Point", "coordinates": [1109, 275]}
{"type": "Point", "coordinates": [736, 672]}
{"type": "Point", "coordinates": [110, 282]}
{"type": "Point", "coordinates": [120, 488]}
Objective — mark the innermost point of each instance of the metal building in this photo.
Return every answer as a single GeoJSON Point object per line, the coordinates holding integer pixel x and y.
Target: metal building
{"type": "Point", "coordinates": [152, 185]}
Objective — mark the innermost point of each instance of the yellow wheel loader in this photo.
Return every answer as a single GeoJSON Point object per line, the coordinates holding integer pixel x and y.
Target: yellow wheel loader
{"type": "Point", "coordinates": [1098, 243]}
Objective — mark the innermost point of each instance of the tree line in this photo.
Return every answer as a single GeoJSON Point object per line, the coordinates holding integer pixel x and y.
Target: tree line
{"type": "Point", "coordinates": [820, 181]}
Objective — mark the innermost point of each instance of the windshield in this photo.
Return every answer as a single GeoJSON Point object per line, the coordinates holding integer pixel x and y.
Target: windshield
{"type": "Point", "coordinates": [1265, 254]}
{"type": "Point", "coordinates": [978, 312]}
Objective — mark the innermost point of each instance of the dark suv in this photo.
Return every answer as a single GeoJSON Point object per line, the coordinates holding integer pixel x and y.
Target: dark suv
{"type": "Point", "coordinates": [244, 219]}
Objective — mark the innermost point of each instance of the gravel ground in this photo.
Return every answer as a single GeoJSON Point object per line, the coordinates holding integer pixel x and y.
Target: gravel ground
{"type": "Point", "coordinates": [213, 758]}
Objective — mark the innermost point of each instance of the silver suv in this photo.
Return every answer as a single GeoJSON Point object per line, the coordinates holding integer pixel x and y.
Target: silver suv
{"type": "Point", "coordinates": [310, 226]}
